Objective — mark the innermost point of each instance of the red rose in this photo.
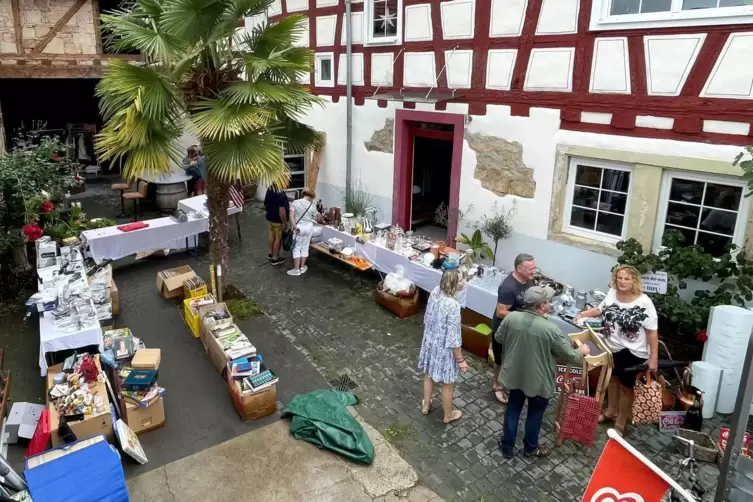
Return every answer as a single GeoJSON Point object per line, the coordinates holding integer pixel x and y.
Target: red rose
{"type": "Point", "coordinates": [47, 206]}
{"type": "Point", "coordinates": [32, 232]}
{"type": "Point", "coordinates": [56, 157]}
{"type": "Point", "coordinates": [701, 336]}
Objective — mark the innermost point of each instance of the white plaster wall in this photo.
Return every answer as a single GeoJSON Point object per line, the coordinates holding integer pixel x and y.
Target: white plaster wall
{"type": "Point", "coordinates": [539, 134]}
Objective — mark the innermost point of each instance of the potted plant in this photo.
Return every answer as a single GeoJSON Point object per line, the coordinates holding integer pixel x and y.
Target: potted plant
{"type": "Point", "coordinates": [498, 226]}
{"type": "Point", "coordinates": [478, 247]}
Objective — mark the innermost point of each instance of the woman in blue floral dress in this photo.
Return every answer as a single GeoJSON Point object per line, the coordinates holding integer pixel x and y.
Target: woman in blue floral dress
{"type": "Point", "coordinates": [441, 357]}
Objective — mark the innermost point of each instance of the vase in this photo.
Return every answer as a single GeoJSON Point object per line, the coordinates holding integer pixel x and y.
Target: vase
{"type": "Point", "coordinates": [21, 257]}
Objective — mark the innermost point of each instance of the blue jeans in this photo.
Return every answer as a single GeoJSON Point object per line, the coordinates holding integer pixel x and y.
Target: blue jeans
{"type": "Point", "coordinates": [536, 408]}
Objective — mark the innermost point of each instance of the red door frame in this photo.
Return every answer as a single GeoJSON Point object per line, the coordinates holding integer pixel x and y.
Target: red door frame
{"type": "Point", "coordinates": [402, 188]}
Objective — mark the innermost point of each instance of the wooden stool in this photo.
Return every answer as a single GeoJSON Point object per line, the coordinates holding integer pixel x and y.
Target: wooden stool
{"type": "Point", "coordinates": [602, 359]}
{"type": "Point", "coordinates": [122, 187]}
{"type": "Point", "coordinates": [136, 197]}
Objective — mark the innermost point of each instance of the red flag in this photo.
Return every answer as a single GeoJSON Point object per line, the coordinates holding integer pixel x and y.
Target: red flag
{"type": "Point", "coordinates": [236, 194]}
{"type": "Point", "coordinates": [624, 475]}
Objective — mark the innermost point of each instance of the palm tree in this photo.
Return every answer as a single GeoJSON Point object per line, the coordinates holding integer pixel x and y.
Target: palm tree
{"type": "Point", "coordinates": [238, 92]}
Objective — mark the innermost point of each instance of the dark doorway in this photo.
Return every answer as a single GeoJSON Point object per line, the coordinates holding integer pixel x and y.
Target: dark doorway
{"type": "Point", "coordinates": [430, 188]}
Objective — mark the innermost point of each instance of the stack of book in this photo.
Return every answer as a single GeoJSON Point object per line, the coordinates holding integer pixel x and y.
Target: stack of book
{"type": "Point", "coordinates": [233, 342]}
{"type": "Point", "coordinates": [257, 383]}
{"type": "Point", "coordinates": [139, 386]}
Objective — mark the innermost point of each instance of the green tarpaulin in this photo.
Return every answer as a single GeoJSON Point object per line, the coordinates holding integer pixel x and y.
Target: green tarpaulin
{"type": "Point", "coordinates": [321, 418]}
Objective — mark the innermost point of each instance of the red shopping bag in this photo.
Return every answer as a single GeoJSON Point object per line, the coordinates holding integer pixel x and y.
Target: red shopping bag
{"type": "Point", "coordinates": [624, 475]}
{"type": "Point", "coordinates": [41, 436]}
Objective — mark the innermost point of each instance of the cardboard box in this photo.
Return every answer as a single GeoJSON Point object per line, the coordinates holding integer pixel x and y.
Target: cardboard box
{"type": "Point", "coordinates": [88, 427]}
{"type": "Point", "coordinates": [142, 420]}
{"type": "Point", "coordinates": [474, 342]}
{"type": "Point", "coordinates": [193, 293]}
{"type": "Point", "coordinates": [401, 307]}
{"type": "Point", "coordinates": [146, 359]}
{"type": "Point", "coordinates": [114, 298]}
{"type": "Point", "coordinates": [170, 281]}
{"type": "Point", "coordinates": [203, 330]}
{"type": "Point", "coordinates": [252, 406]}
{"type": "Point", "coordinates": [22, 421]}
{"type": "Point", "coordinates": [216, 355]}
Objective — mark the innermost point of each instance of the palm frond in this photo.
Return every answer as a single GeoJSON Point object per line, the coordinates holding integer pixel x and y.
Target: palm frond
{"type": "Point", "coordinates": [260, 91]}
{"type": "Point", "coordinates": [220, 120]}
{"type": "Point", "coordinates": [144, 36]}
{"type": "Point", "coordinates": [298, 137]}
{"type": "Point", "coordinates": [277, 34]}
{"type": "Point", "coordinates": [192, 20]}
{"type": "Point", "coordinates": [256, 155]}
{"type": "Point", "coordinates": [236, 10]}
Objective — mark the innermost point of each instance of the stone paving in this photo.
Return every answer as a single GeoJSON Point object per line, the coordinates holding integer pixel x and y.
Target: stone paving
{"type": "Point", "coordinates": [319, 328]}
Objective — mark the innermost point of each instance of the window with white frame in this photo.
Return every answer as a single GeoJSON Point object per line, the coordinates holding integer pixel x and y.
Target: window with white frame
{"type": "Point", "coordinates": [615, 14]}
{"type": "Point", "coordinates": [383, 22]}
{"type": "Point", "coordinates": [297, 166]}
{"type": "Point", "coordinates": [598, 196]}
{"type": "Point", "coordinates": [708, 211]}
{"type": "Point", "coordinates": [324, 69]}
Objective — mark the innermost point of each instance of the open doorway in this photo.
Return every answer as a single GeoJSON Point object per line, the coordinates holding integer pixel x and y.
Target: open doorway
{"type": "Point", "coordinates": [430, 190]}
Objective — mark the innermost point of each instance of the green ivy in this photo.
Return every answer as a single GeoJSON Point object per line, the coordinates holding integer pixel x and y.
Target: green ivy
{"type": "Point", "coordinates": [730, 277]}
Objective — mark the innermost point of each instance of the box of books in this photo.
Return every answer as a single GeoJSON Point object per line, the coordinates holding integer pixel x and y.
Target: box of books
{"type": "Point", "coordinates": [212, 316]}
{"type": "Point", "coordinates": [253, 405]}
{"type": "Point", "coordinates": [191, 308]}
{"type": "Point", "coordinates": [194, 286]}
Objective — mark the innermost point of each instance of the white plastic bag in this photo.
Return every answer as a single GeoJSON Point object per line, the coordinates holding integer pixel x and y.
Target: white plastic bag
{"type": "Point", "coordinates": [395, 282]}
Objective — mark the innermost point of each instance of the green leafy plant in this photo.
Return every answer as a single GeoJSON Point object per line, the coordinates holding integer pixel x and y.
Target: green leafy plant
{"type": "Point", "coordinates": [443, 214]}
{"type": "Point", "coordinates": [243, 310]}
{"type": "Point", "coordinates": [237, 90]}
{"type": "Point", "coordinates": [358, 200]}
{"type": "Point", "coordinates": [745, 161]}
{"type": "Point", "coordinates": [478, 247]}
{"type": "Point", "coordinates": [729, 280]}
{"type": "Point", "coordinates": [498, 226]}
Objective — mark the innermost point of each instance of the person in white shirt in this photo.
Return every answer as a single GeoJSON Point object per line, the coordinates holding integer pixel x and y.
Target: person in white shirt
{"type": "Point", "coordinates": [629, 330]}
{"type": "Point", "coordinates": [302, 216]}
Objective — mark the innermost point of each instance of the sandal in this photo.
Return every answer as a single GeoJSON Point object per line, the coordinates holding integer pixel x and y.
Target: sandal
{"type": "Point", "coordinates": [425, 409]}
{"type": "Point", "coordinates": [501, 396]}
{"type": "Point", "coordinates": [540, 452]}
{"type": "Point", "coordinates": [604, 418]}
{"type": "Point", "coordinates": [619, 430]}
{"type": "Point", "coordinates": [456, 415]}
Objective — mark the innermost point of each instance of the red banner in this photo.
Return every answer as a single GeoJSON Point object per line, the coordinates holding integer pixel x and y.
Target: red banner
{"type": "Point", "coordinates": [621, 476]}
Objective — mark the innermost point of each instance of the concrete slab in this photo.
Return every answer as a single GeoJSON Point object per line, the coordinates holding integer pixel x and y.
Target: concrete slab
{"type": "Point", "coordinates": [273, 466]}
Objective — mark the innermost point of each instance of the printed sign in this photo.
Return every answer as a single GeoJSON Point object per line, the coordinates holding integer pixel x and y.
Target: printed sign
{"type": "Point", "coordinates": [621, 476]}
{"type": "Point", "coordinates": [670, 421]}
{"type": "Point", "coordinates": [655, 282]}
{"type": "Point", "coordinates": [724, 436]}
{"type": "Point", "coordinates": [576, 383]}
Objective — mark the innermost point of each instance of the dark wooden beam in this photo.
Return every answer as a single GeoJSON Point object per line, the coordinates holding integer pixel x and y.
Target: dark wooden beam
{"type": "Point", "coordinates": [55, 29]}
{"type": "Point", "coordinates": [17, 28]}
{"type": "Point", "coordinates": [97, 26]}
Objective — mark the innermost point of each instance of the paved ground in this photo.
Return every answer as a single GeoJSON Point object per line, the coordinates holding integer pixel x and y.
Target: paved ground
{"type": "Point", "coordinates": [317, 328]}
{"type": "Point", "coordinates": [269, 464]}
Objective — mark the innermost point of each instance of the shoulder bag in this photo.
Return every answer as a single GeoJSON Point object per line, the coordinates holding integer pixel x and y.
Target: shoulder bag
{"type": "Point", "coordinates": [288, 234]}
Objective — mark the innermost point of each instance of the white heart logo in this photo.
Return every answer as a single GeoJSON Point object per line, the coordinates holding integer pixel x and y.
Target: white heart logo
{"type": "Point", "coordinates": [608, 494]}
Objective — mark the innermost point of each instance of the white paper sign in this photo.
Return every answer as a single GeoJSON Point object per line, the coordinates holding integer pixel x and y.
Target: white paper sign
{"type": "Point", "coordinates": [655, 282]}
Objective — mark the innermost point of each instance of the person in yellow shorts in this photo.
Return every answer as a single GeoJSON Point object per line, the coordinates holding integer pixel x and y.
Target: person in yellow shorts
{"type": "Point", "coordinates": [276, 206]}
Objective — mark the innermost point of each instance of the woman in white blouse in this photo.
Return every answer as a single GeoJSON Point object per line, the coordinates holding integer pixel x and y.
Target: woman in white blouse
{"type": "Point", "coordinates": [629, 330]}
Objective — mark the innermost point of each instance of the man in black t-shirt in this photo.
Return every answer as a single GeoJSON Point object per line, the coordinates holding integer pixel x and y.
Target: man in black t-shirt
{"type": "Point", "coordinates": [509, 299]}
{"type": "Point", "coordinates": [277, 207]}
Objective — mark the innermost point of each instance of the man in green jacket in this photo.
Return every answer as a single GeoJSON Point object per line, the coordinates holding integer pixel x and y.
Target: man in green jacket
{"type": "Point", "coordinates": [531, 346]}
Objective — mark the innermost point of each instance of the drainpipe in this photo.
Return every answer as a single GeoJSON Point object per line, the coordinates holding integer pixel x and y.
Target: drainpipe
{"type": "Point", "coordinates": [348, 101]}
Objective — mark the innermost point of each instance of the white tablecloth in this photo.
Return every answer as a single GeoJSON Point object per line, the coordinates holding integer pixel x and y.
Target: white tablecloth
{"type": "Point", "coordinates": [473, 297]}
{"type": "Point", "coordinates": [53, 340]}
{"type": "Point", "coordinates": [196, 204]}
{"type": "Point", "coordinates": [162, 233]}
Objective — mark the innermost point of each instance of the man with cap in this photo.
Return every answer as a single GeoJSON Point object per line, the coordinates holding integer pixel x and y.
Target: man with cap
{"type": "Point", "coordinates": [531, 346]}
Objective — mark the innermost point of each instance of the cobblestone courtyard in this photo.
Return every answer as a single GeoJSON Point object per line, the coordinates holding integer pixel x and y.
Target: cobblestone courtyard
{"type": "Point", "coordinates": [318, 328]}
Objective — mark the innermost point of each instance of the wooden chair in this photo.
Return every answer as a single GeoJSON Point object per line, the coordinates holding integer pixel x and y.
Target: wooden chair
{"type": "Point", "coordinates": [136, 197]}
{"type": "Point", "coordinates": [122, 187]}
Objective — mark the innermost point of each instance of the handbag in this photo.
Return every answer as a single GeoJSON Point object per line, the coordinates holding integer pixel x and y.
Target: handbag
{"type": "Point", "coordinates": [288, 234]}
{"type": "Point", "coordinates": [581, 419]}
{"type": "Point", "coordinates": [648, 401]}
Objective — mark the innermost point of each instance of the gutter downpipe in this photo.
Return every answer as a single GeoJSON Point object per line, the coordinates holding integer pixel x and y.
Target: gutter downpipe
{"type": "Point", "coordinates": [348, 101]}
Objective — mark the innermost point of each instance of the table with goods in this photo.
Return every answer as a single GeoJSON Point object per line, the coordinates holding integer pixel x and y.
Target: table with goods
{"type": "Point", "coordinates": [170, 232]}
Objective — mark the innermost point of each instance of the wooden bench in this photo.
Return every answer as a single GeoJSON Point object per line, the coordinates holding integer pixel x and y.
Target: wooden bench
{"type": "Point", "coordinates": [322, 248]}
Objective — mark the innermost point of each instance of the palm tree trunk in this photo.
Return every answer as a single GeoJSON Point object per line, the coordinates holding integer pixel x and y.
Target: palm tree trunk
{"type": "Point", "coordinates": [218, 200]}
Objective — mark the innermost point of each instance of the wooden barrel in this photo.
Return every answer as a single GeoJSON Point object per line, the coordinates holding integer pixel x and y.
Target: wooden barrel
{"type": "Point", "coordinates": [168, 195]}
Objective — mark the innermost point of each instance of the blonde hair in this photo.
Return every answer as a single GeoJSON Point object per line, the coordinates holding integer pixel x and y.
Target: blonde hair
{"type": "Point", "coordinates": [450, 282]}
{"type": "Point", "coordinates": [309, 192]}
{"type": "Point", "coordinates": [633, 273]}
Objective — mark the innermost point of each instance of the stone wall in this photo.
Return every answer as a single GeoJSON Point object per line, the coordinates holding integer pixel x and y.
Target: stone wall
{"type": "Point", "coordinates": [500, 167]}
{"type": "Point", "coordinates": [38, 17]}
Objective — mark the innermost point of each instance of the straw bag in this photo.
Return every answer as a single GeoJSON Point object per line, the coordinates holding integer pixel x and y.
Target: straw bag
{"type": "Point", "coordinates": [647, 404]}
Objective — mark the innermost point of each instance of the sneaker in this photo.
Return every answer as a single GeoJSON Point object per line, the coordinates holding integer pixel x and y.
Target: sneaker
{"type": "Point", "coordinates": [540, 452]}
{"type": "Point", "coordinates": [304, 269]}
{"type": "Point", "coordinates": [294, 271]}
{"type": "Point", "coordinates": [277, 261]}
{"type": "Point", "coordinates": [269, 256]}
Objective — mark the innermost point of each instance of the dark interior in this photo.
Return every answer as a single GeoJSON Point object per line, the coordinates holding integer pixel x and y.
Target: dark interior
{"type": "Point", "coordinates": [432, 163]}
